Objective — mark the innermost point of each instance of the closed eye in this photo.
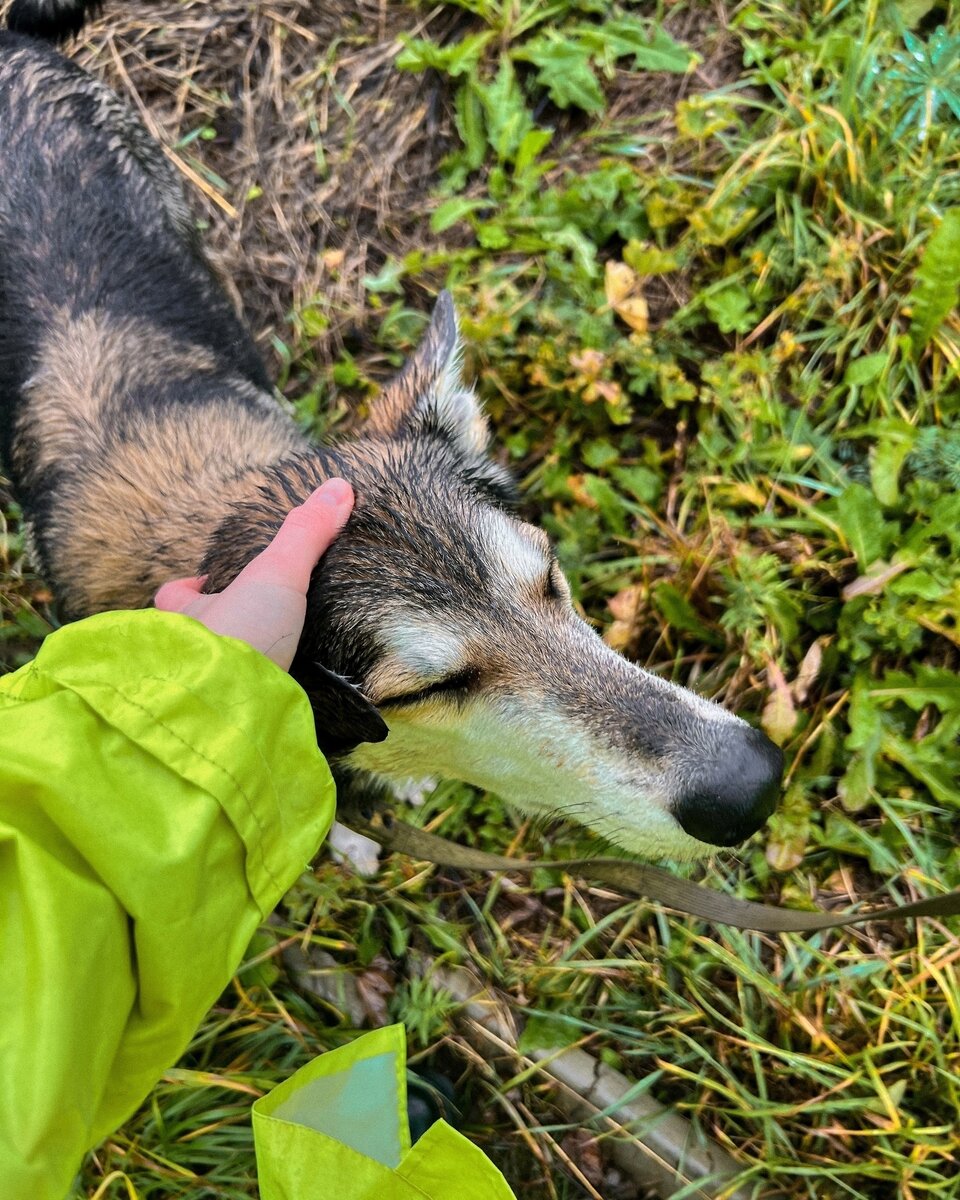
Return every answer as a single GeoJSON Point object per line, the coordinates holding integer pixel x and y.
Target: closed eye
{"type": "Point", "coordinates": [456, 685]}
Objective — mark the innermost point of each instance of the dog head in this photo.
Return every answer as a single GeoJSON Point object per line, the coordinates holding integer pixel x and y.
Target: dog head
{"type": "Point", "coordinates": [453, 620]}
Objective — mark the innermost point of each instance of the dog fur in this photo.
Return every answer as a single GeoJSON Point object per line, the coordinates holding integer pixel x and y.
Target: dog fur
{"type": "Point", "coordinates": [138, 427]}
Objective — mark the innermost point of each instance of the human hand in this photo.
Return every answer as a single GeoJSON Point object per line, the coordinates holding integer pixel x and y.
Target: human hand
{"type": "Point", "coordinates": [266, 604]}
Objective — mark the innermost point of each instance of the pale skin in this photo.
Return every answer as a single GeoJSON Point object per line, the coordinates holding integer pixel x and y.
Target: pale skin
{"type": "Point", "coordinates": [266, 604]}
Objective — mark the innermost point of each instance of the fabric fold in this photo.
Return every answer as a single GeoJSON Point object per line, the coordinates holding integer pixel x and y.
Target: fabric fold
{"type": "Point", "coordinates": [338, 1127]}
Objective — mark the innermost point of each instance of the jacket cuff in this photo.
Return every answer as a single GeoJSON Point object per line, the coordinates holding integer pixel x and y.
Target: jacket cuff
{"type": "Point", "coordinates": [218, 713]}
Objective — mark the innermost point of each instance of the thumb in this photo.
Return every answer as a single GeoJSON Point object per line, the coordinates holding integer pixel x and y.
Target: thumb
{"type": "Point", "coordinates": [303, 537]}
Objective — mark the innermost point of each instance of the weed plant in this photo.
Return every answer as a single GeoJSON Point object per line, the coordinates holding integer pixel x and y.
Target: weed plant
{"type": "Point", "coordinates": [708, 262]}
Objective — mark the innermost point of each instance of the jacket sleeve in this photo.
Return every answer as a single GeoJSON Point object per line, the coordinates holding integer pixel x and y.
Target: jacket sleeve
{"type": "Point", "coordinates": [160, 789]}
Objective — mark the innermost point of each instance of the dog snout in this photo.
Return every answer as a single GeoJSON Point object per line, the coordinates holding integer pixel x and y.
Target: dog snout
{"type": "Point", "coordinates": [736, 791]}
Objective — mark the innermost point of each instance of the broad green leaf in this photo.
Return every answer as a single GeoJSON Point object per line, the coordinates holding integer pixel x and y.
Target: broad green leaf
{"type": "Point", "coordinates": [674, 387]}
{"type": "Point", "coordinates": [912, 12]}
{"type": "Point", "coordinates": [730, 307]}
{"type": "Point", "coordinates": [565, 71]}
{"type": "Point", "coordinates": [865, 369]}
{"type": "Point", "coordinates": [468, 113]}
{"type": "Point", "coordinates": [530, 147]}
{"type": "Point", "coordinates": [895, 439]}
{"type": "Point", "coordinates": [493, 236]}
{"type": "Point", "coordinates": [789, 830]}
{"type": "Point", "coordinates": [508, 121]}
{"type": "Point", "coordinates": [459, 58]}
{"type": "Point", "coordinates": [861, 519]}
{"type": "Point", "coordinates": [657, 53]}
{"type": "Point", "coordinates": [937, 285]}
{"type": "Point", "coordinates": [856, 788]}
{"type": "Point", "coordinates": [649, 260]}
{"type": "Point", "coordinates": [387, 279]}
{"type": "Point", "coordinates": [599, 453]}
{"type": "Point", "coordinates": [885, 466]}
{"type": "Point", "coordinates": [927, 685]}
{"type": "Point", "coordinates": [399, 933]}
{"type": "Point", "coordinates": [640, 482]}
{"type": "Point", "coordinates": [652, 48]}
{"type": "Point", "coordinates": [680, 614]}
{"type": "Point", "coordinates": [851, 837]}
{"type": "Point", "coordinates": [720, 224]}
{"type": "Point", "coordinates": [927, 763]}
{"type": "Point", "coordinates": [602, 492]}
{"type": "Point", "coordinates": [571, 239]}
{"type": "Point", "coordinates": [866, 731]}
{"type": "Point", "coordinates": [700, 117]}
{"type": "Point", "coordinates": [545, 1032]}
{"type": "Point", "coordinates": [454, 210]}
{"type": "Point", "coordinates": [920, 585]}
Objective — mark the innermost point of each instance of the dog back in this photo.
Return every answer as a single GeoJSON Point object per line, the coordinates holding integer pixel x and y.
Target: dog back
{"type": "Point", "coordinates": [116, 342]}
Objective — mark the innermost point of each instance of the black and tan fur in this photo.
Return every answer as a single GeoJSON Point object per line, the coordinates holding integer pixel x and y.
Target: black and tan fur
{"type": "Point", "coordinates": [138, 426]}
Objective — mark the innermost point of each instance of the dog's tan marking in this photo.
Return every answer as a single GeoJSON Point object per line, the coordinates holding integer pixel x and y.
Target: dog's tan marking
{"type": "Point", "coordinates": [151, 501]}
{"type": "Point", "coordinates": [419, 650]}
{"type": "Point", "coordinates": [140, 491]}
{"type": "Point", "coordinates": [83, 371]}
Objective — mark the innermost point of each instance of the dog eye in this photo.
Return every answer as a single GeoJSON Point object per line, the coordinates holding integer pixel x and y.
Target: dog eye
{"type": "Point", "coordinates": [456, 685]}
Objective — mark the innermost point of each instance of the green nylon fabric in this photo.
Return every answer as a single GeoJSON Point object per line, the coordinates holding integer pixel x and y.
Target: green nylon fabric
{"type": "Point", "coordinates": [338, 1127]}
{"type": "Point", "coordinates": [160, 789]}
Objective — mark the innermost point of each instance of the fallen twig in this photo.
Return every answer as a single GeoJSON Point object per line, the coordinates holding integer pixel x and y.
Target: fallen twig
{"type": "Point", "coordinates": [656, 1147]}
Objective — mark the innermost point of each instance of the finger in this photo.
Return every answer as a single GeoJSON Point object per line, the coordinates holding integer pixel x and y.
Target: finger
{"type": "Point", "coordinates": [178, 593]}
{"type": "Point", "coordinates": [305, 534]}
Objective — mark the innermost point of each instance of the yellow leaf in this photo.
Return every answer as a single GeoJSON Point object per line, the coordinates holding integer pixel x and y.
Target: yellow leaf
{"type": "Point", "coordinates": [619, 635]}
{"type": "Point", "coordinates": [333, 259]}
{"type": "Point", "coordinates": [619, 282]}
{"type": "Point", "coordinates": [603, 389]}
{"type": "Point", "coordinates": [588, 362]}
{"type": "Point", "coordinates": [786, 854]}
{"type": "Point", "coordinates": [743, 492]}
{"type": "Point", "coordinates": [625, 604]}
{"type": "Point", "coordinates": [779, 718]}
{"type": "Point", "coordinates": [622, 288]}
{"type": "Point", "coordinates": [634, 311]}
{"type": "Point", "coordinates": [809, 669]}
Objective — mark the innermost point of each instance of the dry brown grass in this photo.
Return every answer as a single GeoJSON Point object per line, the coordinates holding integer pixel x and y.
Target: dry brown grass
{"type": "Point", "coordinates": [315, 157]}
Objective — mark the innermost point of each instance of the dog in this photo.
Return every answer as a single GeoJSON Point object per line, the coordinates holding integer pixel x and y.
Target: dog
{"type": "Point", "coordinates": [139, 430]}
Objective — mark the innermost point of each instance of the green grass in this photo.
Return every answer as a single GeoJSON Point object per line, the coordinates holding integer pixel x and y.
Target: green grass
{"type": "Point", "coordinates": [743, 437]}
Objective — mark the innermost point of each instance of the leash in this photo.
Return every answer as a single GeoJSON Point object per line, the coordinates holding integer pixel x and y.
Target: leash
{"type": "Point", "coordinates": [637, 879]}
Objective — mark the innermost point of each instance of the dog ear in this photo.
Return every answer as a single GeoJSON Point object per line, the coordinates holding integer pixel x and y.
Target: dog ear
{"type": "Point", "coordinates": [429, 393]}
{"type": "Point", "coordinates": [343, 716]}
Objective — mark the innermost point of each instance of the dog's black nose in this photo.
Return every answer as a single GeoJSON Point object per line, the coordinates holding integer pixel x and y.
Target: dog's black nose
{"type": "Point", "coordinates": [735, 793]}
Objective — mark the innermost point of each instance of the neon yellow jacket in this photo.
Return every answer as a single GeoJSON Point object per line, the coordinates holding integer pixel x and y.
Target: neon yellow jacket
{"type": "Point", "coordinates": [160, 789]}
